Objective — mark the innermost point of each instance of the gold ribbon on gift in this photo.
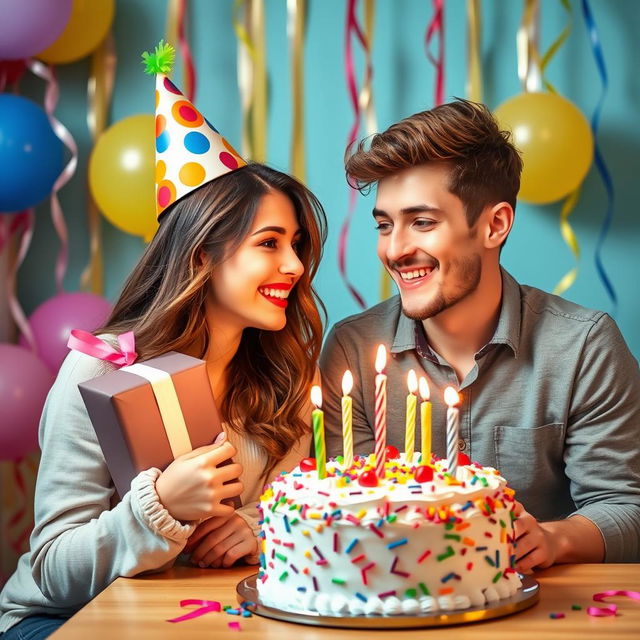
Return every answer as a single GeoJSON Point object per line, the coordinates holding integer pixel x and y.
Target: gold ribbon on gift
{"type": "Point", "coordinates": [99, 91]}
{"type": "Point", "coordinates": [531, 69]}
{"type": "Point", "coordinates": [296, 17]}
{"type": "Point", "coordinates": [168, 405]}
{"type": "Point", "coordinates": [474, 66]}
{"type": "Point", "coordinates": [249, 25]}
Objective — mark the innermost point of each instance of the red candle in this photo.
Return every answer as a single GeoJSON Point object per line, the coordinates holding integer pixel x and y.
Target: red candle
{"type": "Point", "coordinates": [381, 411]}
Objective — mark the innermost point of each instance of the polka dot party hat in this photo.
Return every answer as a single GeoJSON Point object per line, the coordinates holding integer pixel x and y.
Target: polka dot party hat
{"type": "Point", "coordinates": [189, 150]}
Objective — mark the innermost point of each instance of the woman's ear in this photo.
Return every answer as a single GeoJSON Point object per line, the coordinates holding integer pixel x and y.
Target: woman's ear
{"type": "Point", "coordinates": [499, 223]}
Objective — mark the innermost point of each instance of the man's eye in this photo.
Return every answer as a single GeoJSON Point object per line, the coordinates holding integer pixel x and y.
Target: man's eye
{"type": "Point", "coordinates": [383, 226]}
{"type": "Point", "coordinates": [423, 222]}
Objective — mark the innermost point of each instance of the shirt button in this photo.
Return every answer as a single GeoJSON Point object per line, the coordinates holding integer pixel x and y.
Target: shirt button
{"type": "Point", "coordinates": [462, 445]}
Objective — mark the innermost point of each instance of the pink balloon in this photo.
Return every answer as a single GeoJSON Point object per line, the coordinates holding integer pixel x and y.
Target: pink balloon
{"type": "Point", "coordinates": [54, 319]}
{"type": "Point", "coordinates": [24, 384]}
{"type": "Point", "coordinates": [29, 26]}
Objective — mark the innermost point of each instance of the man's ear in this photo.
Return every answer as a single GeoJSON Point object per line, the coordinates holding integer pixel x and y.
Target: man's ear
{"type": "Point", "coordinates": [499, 223]}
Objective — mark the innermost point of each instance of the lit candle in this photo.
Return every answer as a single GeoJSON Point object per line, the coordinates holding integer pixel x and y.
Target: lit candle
{"type": "Point", "coordinates": [452, 398]}
{"type": "Point", "coordinates": [425, 421]}
{"type": "Point", "coordinates": [381, 411]}
{"type": "Point", "coordinates": [347, 413]}
{"type": "Point", "coordinates": [317, 418]}
{"type": "Point", "coordinates": [410, 424]}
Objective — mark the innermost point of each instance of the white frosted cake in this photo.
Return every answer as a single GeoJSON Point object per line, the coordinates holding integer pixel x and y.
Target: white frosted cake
{"type": "Point", "coordinates": [416, 541]}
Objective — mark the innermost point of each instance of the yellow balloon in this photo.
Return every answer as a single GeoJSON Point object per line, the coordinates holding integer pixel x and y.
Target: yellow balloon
{"type": "Point", "coordinates": [89, 24]}
{"type": "Point", "coordinates": [121, 175]}
{"type": "Point", "coordinates": [555, 140]}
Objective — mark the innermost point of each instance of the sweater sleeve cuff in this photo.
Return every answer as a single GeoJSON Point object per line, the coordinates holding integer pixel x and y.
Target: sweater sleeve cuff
{"type": "Point", "coordinates": [249, 513]}
{"type": "Point", "coordinates": [146, 504]}
{"type": "Point", "coordinates": [619, 525]}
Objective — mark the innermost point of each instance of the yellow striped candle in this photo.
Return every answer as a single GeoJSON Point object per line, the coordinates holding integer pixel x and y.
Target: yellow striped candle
{"type": "Point", "coordinates": [317, 419]}
{"type": "Point", "coordinates": [410, 421]}
{"type": "Point", "coordinates": [347, 419]}
{"type": "Point", "coordinates": [425, 421]}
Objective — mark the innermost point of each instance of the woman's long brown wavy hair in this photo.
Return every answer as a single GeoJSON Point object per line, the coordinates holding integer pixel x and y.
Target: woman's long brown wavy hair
{"type": "Point", "coordinates": [163, 302]}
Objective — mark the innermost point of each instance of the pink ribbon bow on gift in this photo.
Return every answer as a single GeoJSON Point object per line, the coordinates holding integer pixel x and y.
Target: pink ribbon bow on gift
{"type": "Point", "coordinates": [88, 344]}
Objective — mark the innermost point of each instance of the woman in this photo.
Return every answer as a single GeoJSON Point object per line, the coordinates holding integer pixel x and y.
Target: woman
{"type": "Point", "coordinates": [227, 278]}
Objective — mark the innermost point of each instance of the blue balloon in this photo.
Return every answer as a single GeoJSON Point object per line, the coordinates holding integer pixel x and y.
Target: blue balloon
{"type": "Point", "coordinates": [31, 155]}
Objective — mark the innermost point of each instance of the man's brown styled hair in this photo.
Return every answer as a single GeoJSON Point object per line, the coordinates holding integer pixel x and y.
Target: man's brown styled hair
{"type": "Point", "coordinates": [485, 166]}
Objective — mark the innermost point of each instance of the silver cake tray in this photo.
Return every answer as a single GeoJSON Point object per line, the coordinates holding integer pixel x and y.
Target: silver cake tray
{"type": "Point", "coordinates": [525, 597]}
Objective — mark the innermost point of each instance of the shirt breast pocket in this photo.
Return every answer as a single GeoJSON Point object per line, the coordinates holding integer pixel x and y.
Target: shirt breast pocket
{"type": "Point", "coordinates": [531, 458]}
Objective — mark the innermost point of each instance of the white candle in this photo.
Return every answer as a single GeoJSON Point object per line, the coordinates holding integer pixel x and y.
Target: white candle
{"type": "Point", "coordinates": [452, 399]}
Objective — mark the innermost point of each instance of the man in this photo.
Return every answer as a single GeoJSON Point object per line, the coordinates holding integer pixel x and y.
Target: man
{"type": "Point", "coordinates": [550, 392]}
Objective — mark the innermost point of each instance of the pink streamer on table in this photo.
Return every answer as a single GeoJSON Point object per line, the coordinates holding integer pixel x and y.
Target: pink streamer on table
{"type": "Point", "coordinates": [20, 223]}
{"type": "Point", "coordinates": [51, 96]}
{"type": "Point", "coordinates": [185, 50]}
{"type": "Point", "coordinates": [436, 27]}
{"type": "Point", "coordinates": [88, 344]}
{"type": "Point", "coordinates": [205, 606]}
{"type": "Point", "coordinates": [610, 609]}
{"type": "Point", "coordinates": [352, 29]}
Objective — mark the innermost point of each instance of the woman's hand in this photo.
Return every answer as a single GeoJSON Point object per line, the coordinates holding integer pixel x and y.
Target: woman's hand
{"type": "Point", "coordinates": [192, 486]}
{"type": "Point", "coordinates": [222, 541]}
{"type": "Point", "coordinates": [536, 548]}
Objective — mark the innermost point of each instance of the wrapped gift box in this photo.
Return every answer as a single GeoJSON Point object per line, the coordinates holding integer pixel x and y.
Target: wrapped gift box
{"type": "Point", "coordinates": [147, 414]}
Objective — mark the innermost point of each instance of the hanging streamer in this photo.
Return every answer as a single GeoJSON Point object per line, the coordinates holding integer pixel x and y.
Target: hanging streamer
{"type": "Point", "coordinates": [176, 36]}
{"type": "Point", "coordinates": [436, 28]}
{"type": "Point", "coordinates": [352, 30]}
{"type": "Point", "coordinates": [296, 14]}
{"type": "Point", "coordinates": [598, 55]}
{"type": "Point", "coordinates": [531, 69]}
{"type": "Point", "coordinates": [22, 225]}
{"type": "Point", "coordinates": [51, 96]}
{"type": "Point", "coordinates": [474, 66]}
{"type": "Point", "coordinates": [99, 91]}
{"type": "Point", "coordinates": [249, 25]}
{"type": "Point", "coordinates": [566, 230]}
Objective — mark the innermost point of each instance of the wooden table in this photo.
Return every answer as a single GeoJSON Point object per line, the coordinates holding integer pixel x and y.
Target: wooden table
{"type": "Point", "coordinates": [137, 608]}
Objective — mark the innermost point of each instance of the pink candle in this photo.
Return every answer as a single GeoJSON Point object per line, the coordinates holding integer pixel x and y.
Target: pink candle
{"type": "Point", "coordinates": [381, 411]}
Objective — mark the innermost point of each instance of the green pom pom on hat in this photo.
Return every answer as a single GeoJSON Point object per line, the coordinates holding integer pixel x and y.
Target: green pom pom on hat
{"type": "Point", "coordinates": [161, 60]}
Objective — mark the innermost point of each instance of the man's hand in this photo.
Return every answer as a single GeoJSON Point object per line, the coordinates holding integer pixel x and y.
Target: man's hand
{"type": "Point", "coordinates": [536, 548]}
{"type": "Point", "coordinates": [221, 541]}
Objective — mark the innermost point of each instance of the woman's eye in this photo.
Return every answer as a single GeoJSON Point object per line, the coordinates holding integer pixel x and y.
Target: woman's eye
{"type": "Point", "coordinates": [270, 244]}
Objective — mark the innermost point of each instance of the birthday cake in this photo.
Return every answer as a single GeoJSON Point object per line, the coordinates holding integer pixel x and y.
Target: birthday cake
{"type": "Point", "coordinates": [415, 541]}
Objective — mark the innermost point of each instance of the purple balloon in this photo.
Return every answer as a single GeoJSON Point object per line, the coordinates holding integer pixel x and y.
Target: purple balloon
{"type": "Point", "coordinates": [24, 384]}
{"type": "Point", "coordinates": [54, 319]}
{"type": "Point", "coordinates": [29, 26]}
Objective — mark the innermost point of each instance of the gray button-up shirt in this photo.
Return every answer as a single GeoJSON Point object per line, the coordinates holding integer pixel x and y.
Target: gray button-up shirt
{"type": "Point", "coordinates": [553, 401]}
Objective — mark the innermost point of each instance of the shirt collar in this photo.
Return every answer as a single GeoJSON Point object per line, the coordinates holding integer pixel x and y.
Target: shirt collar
{"type": "Point", "coordinates": [410, 333]}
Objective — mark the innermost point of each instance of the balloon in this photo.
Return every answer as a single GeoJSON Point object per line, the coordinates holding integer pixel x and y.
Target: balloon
{"type": "Point", "coordinates": [24, 384]}
{"type": "Point", "coordinates": [52, 322]}
{"type": "Point", "coordinates": [28, 26]}
{"type": "Point", "coordinates": [31, 155]}
{"type": "Point", "coordinates": [555, 141]}
{"type": "Point", "coordinates": [89, 23]}
{"type": "Point", "coordinates": [121, 175]}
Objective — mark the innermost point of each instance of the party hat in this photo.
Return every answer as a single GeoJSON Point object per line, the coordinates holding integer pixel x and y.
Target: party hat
{"type": "Point", "coordinates": [189, 150]}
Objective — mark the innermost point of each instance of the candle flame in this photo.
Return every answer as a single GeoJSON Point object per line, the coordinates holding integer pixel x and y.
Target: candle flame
{"type": "Point", "coordinates": [347, 383]}
{"type": "Point", "coordinates": [412, 381]}
{"type": "Point", "coordinates": [316, 396]}
{"type": "Point", "coordinates": [381, 358]}
{"type": "Point", "coordinates": [451, 397]}
{"type": "Point", "coordinates": [425, 394]}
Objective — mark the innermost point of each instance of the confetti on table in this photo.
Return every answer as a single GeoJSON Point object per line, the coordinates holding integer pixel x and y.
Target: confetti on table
{"type": "Point", "coordinates": [576, 607]}
{"type": "Point", "coordinates": [204, 606]}
{"type": "Point", "coordinates": [234, 626]}
{"type": "Point", "coordinates": [556, 616]}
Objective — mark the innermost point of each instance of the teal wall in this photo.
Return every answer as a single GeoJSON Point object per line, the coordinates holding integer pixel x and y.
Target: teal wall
{"type": "Point", "coordinates": [403, 84]}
